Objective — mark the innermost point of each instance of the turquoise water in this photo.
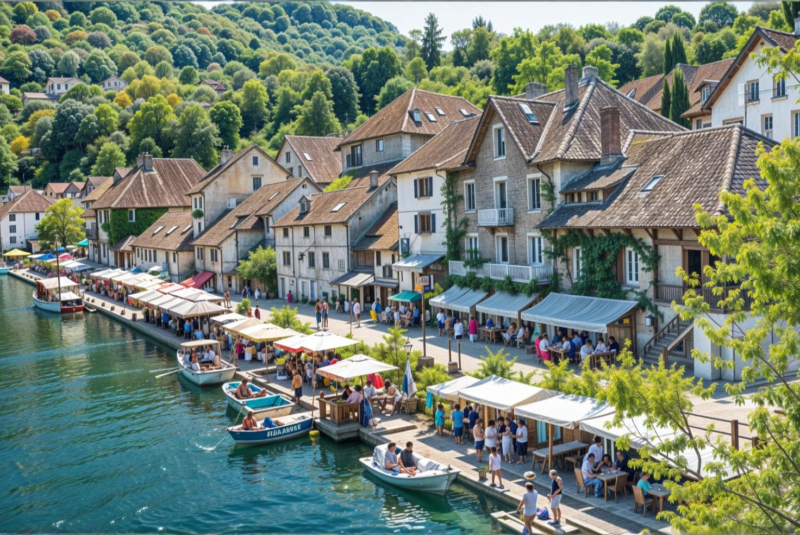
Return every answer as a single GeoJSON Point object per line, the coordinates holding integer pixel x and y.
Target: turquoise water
{"type": "Point", "coordinates": [91, 442]}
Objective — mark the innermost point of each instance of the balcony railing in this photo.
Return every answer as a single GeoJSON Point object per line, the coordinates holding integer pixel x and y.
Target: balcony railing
{"type": "Point", "coordinates": [496, 217]}
{"type": "Point", "coordinates": [91, 232]}
{"type": "Point", "coordinates": [517, 273]}
{"type": "Point", "coordinates": [667, 293]}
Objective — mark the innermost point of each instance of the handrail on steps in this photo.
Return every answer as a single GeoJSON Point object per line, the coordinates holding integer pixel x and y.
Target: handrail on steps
{"type": "Point", "coordinates": [681, 337]}
{"type": "Point", "coordinates": [666, 329]}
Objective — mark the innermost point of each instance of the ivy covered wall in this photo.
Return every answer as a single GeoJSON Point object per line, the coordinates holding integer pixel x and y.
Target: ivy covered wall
{"type": "Point", "coordinates": [119, 227]}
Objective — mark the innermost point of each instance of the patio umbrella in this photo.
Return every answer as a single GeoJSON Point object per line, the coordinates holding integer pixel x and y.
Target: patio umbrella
{"type": "Point", "coordinates": [266, 333]}
{"type": "Point", "coordinates": [60, 249]}
{"type": "Point", "coordinates": [293, 344]}
{"type": "Point", "coordinates": [47, 257]}
{"type": "Point", "coordinates": [15, 253]}
{"type": "Point", "coordinates": [202, 308]}
{"type": "Point", "coordinates": [238, 326]}
{"type": "Point", "coordinates": [353, 367]}
{"type": "Point", "coordinates": [65, 256]}
{"type": "Point", "coordinates": [325, 341]}
{"type": "Point", "coordinates": [71, 247]}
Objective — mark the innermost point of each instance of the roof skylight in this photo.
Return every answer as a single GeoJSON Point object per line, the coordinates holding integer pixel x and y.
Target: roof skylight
{"type": "Point", "coordinates": [528, 113]}
{"type": "Point", "coordinates": [307, 156]}
{"type": "Point", "coordinates": [652, 183]}
{"type": "Point", "coordinates": [273, 196]}
{"type": "Point", "coordinates": [338, 207]}
{"type": "Point", "coordinates": [440, 111]}
{"type": "Point", "coordinates": [431, 117]}
{"type": "Point", "coordinates": [464, 112]}
{"type": "Point", "coordinates": [159, 229]}
{"type": "Point", "coordinates": [170, 231]}
{"type": "Point", "coordinates": [631, 93]}
{"type": "Point", "coordinates": [188, 227]}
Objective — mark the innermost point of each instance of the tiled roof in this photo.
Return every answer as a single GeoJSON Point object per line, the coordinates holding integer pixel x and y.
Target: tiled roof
{"type": "Point", "coordinates": [164, 187]}
{"type": "Point", "coordinates": [125, 245]}
{"type": "Point", "coordinates": [361, 176]}
{"type": "Point", "coordinates": [4, 81]}
{"type": "Point", "coordinates": [247, 215]}
{"type": "Point", "coordinates": [784, 40]}
{"type": "Point", "coordinates": [322, 207]}
{"type": "Point", "coordinates": [325, 164]}
{"type": "Point", "coordinates": [95, 181]}
{"type": "Point", "coordinates": [58, 187]}
{"type": "Point", "coordinates": [19, 190]}
{"type": "Point", "coordinates": [446, 149]}
{"type": "Point", "coordinates": [395, 117]}
{"type": "Point", "coordinates": [215, 84]}
{"type": "Point", "coordinates": [89, 214]}
{"type": "Point", "coordinates": [171, 232]}
{"type": "Point", "coordinates": [599, 178]}
{"type": "Point", "coordinates": [383, 235]}
{"type": "Point", "coordinates": [98, 191]}
{"type": "Point", "coordinates": [28, 202]}
{"type": "Point", "coordinates": [61, 80]}
{"type": "Point", "coordinates": [216, 171]}
{"type": "Point", "coordinates": [696, 166]}
{"type": "Point", "coordinates": [33, 95]}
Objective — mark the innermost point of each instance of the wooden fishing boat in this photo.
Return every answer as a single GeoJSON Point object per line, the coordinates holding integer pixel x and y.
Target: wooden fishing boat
{"type": "Point", "coordinates": [220, 375]}
{"type": "Point", "coordinates": [57, 295]}
{"type": "Point", "coordinates": [430, 476]}
{"type": "Point", "coordinates": [269, 405]}
{"type": "Point", "coordinates": [286, 428]}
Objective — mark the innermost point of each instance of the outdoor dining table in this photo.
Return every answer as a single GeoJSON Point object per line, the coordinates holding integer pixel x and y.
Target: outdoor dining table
{"type": "Point", "coordinates": [610, 479]}
{"type": "Point", "coordinates": [558, 450]}
{"type": "Point", "coordinates": [558, 353]}
{"type": "Point", "coordinates": [490, 333]}
{"type": "Point", "coordinates": [659, 491]}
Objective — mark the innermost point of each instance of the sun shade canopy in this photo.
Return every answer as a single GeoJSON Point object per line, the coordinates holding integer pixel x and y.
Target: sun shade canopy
{"type": "Point", "coordinates": [355, 366]}
{"type": "Point", "coordinates": [238, 326]}
{"type": "Point", "coordinates": [355, 279]}
{"type": "Point", "coordinates": [641, 434]}
{"type": "Point", "coordinates": [465, 302]}
{"type": "Point", "coordinates": [266, 332]}
{"type": "Point", "coordinates": [579, 312]}
{"type": "Point", "coordinates": [202, 308]}
{"type": "Point", "coordinates": [68, 296]}
{"type": "Point", "coordinates": [15, 253]}
{"type": "Point", "coordinates": [506, 305]}
{"type": "Point", "coordinates": [566, 411]}
{"type": "Point", "coordinates": [417, 262]}
{"type": "Point", "coordinates": [200, 343]}
{"type": "Point", "coordinates": [325, 341]}
{"type": "Point", "coordinates": [54, 283]}
{"type": "Point", "coordinates": [504, 394]}
{"type": "Point", "coordinates": [443, 300]}
{"type": "Point", "coordinates": [450, 389]}
{"type": "Point", "coordinates": [145, 295]}
{"type": "Point", "coordinates": [406, 297]}
{"type": "Point", "coordinates": [199, 280]}
{"type": "Point", "coordinates": [228, 318]}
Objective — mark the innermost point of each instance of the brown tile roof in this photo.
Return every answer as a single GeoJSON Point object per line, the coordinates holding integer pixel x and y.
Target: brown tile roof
{"type": "Point", "coordinates": [383, 235]}
{"type": "Point", "coordinates": [248, 214]}
{"type": "Point", "coordinates": [785, 40]}
{"type": "Point", "coordinates": [395, 117]}
{"type": "Point", "coordinates": [58, 187]}
{"type": "Point", "coordinates": [322, 207]}
{"type": "Point", "coordinates": [599, 178]}
{"type": "Point", "coordinates": [4, 81]}
{"type": "Point", "coordinates": [696, 166]}
{"type": "Point", "coordinates": [325, 164]}
{"type": "Point", "coordinates": [98, 191]}
{"type": "Point", "coordinates": [171, 232]}
{"type": "Point", "coordinates": [95, 181]}
{"type": "Point", "coordinates": [19, 190]}
{"type": "Point", "coordinates": [89, 214]}
{"type": "Point", "coordinates": [125, 245]}
{"type": "Point", "coordinates": [33, 95]}
{"type": "Point", "coordinates": [164, 187]}
{"type": "Point", "coordinates": [361, 175]}
{"type": "Point", "coordinates": [28, 202]}
{"type": "Point", "coordinates": [446, 149]}
{"type": "Point", "coordinates": [217, 171]}
{"type": "Point", "coordinates": [217, 86]}
{"type": "Point", "coordinates": [60, 80]}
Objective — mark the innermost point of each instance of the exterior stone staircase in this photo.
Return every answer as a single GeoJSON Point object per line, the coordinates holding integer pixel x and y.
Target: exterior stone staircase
{"type": "Point", "coordinates": [670, 337]}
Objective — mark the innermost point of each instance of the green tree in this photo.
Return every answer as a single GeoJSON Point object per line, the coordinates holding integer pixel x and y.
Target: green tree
{"type": "Point", "coordinates": [107, 117]}
{"type": "Point", "coordinates": [261, 265]}
{"type": "Point", "coordinates": [99, 66]}
{"type": "Point", "coordinates": [630, 37]}
{"type": "Point", "coordinates": [371, 71]}
{"type": "Point", "coordinates": [393, 89]}
{"type": "Point", "coordinates": [650, 58]}
{"type": "Point", "coordinates": [317, 82]}
{"type": "Point", "coordinates": [511, 51]}
{"type": "Point", "coordinates": [666, 13]}
{"type": "Point", "coordinates": [790, 12]}
{"type": "Point", "coordinates": [8, 162]}
{"type": "Point", "coordinates": [17, 67]}
{"type": "Point", "coordinates": [253, 105]}
{"type": "Point", "coordinates": [600, 57]}
{"type": "Point", "coordinates": [460, 40]}
{"type": "Point", "coordinates": [69, 64]}
{"type": "Point", "coordinates": [285, 110]}
{"type": "Point", "coordinates": [546, 66]}
{"type": "Point", "coordinates": [495, 364]}
{"type": "Point", "coordinates": [720, 13]}
{"type": "Point", "coordinates": [416, 71]}
{"type": "Point", "coordinates": [62, 224]}
{"type": "Point", "coordinates": [188, 76]}
{"type": "Point", "coordinates": [391, 351]}
{"type": "Point", "coordinates": [195, 136]}
{"type": "Point", "coordinates": [276, 64]}
{"type": "Point", "coordinates": [680, 99]}
{"type": "Point", "coordinates": [228, 118]}
{"type": "Point", "coordinates": [103, 15]}
{"type": "Point", "coordinates": [666, 99]}
{"type": "Point", "coordinates": [286, 317]}
{"type": "Point", "coordinates": [151, 121]}
{"type": "Point", "coordinates": [678, 49]}
{"type": "Point", "coordinates": [432, 40]}
{"type": "Point", "coordinates": [684, 20]}
{"type": "Point", "coordinates": [316, 117]}
{"type": "Point", "coordinates": [479, 46]}
{"type": "Point", "coordinates": [108, 159]}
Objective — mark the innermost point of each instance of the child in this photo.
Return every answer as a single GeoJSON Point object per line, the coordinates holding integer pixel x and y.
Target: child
{"type": "Point", "coordinates": [495, 465]}
{"type": "Point", "coordinates": [527, 505]}
{"type": "Point", "coordinates": [439, 419]}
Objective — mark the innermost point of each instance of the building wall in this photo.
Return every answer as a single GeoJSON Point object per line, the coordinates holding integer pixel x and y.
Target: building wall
{"type": "Point", "coordinates": [179, 263]}
{"type": "Point", "coordinates": [5, 89]}
{"type": "Point", "coordinates": [395, 147]}
{"type": "Point", "coordinates": [25, 229]}
{"type": "Point", "coordinates": [408, 206]}
{"type": "Point", "coordinates": [728, 107]}
{"type": "Point", "coordinates": [701, 122]}
{"type": "Point", "coordinates": [296, 164]}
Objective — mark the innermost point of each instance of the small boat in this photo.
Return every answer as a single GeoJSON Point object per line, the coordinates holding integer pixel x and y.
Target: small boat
{"type": "Point", "coordinates": [430, 477]}
{"type": "Point", "coordinates": [272, 406]}
{"type": "Point", "coordinates": [56, 295]}
{"type": "Point", "coordinates": [286, 428]}
{"type": "Point", "coordinates": [3, 270]}
{"type": "Point", "coordinates": [225, 373]}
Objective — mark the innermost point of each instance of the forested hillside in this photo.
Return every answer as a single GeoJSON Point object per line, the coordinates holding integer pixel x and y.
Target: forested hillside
{"type": "Point", "coordinates": [286, 68]}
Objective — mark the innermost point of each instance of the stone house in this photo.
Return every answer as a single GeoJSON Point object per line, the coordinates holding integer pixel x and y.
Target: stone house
{"type": "Point", "coordinates": [90, 219]}
{"type": "Point", "coordinates": [166, 245]}
{"type": "Point", "coordinates": [63, 190]}
{"type": "Point", "coordinates": [14, 192]}
{"type": "Point", "coordinates": [373, 257]}
{"type": "Point", "coordinates": [312, 157]}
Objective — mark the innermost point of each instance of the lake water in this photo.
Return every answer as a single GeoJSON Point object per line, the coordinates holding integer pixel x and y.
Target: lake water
{"type": "Point", "coordinates": [90, 441]}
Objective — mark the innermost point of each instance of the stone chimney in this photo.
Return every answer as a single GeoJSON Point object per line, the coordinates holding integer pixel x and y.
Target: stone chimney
{"type": "Point", "coordinates": [590, 72]}
{"type": "Point", "coordinates": [147, 162]}
{"type": "Point", "coordinates": [373, 179]}
{"type": "Point", "coordinates": [534, 90]}
{"type": "Point", "coordinates": [570, 86]}
{"type": "Point", "coordinates": [610, 142]}
{"type": "Point", "coordinates": [797, 26]}
{"type": "Point", "coordinates": [225, 154]}
{"type": "Point", "coordinates": [140, 160]}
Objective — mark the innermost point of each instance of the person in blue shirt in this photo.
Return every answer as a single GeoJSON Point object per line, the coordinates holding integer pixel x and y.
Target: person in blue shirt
{"type": "Point", "coordinates": [489, 323]}
{"type": "Point", "coordinates": [416, 316]}
{"type": "Point", "coordinates": [438, 419]}
{"type": "Point", "coordinates": [473, 417]}
{"type": "Point", "coordinates": [457, 416]}
{"type": "Point", "coordinates": [187, 329]}
{"type": "Point", "coordinates": [644, 483]}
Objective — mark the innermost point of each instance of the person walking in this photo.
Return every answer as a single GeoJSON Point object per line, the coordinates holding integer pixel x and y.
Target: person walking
{"type": "Point", "coordinates": [227, 299]}
{"type": "Point", "coordinates": [457, 417]}
{"type": "Point", "coordinates": [325, 313]}
{"type": "Point", "coordinates": [357, 311]}
{"type": "Point", "coordinates": [438, 419]}
{"type": "Point", "coordinates": [527, 506]}
{"type": "Point", "coordinates": [297, 386]}
{"type": "Point", "coordinates": [458, 329]}
{"type": "Point", "coordinates": [495, 467]}
{"type": "Point", "coordinates": [522, 441]}
{"type": "Point", "coordinates": [477, 433]}
{"type": "Point", "coordinates": [491, 435]}
{"type": "Point", "coordinates": [258, 294]}
{"type": "Point", "coordinates": [257, 313]}
{"type": "Point", "coordinates": [473, 329]}
{"type": "Point", "coordinates": [318, 313]}
{"type": "Point", "coordinates": [556, 488]}
{"type": "Point", "coordinates": [440, 319]}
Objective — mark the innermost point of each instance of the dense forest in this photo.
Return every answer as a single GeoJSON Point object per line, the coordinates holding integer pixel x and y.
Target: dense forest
{"type": "Point", "coordinates": [288, 68]}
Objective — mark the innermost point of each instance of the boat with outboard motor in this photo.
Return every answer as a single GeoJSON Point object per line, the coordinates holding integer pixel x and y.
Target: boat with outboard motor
{"type": "Point", "coordinates": [430, 476]}
{"type": "Point", "coordinates": [270, 405]}
{"type": "Point", "coordinates": [288, 427]}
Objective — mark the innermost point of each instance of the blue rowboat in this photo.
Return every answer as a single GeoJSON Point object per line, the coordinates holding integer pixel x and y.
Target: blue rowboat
{"type": "Point", "coordinates": [268, 405]}
{"type": "Point", "coordinates": [284, 429]}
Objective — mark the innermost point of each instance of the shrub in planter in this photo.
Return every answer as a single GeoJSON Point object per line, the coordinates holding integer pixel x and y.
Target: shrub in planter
{"type": "Point", "coordinates": [483, 472]}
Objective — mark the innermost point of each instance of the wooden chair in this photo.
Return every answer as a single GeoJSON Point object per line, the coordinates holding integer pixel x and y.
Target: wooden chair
{"type": "Point", "coordinates": [581, 483]}
{"type": "Point", "coordinates": [619, 487]}
{"type": "Point", "coordinates": [639, 498]}
{"type": "Point", "coordinates": [573, 459]}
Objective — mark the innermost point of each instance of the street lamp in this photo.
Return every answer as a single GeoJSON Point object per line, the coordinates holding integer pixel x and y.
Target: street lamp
{"type": "Point", "coordinates": [407, 346]}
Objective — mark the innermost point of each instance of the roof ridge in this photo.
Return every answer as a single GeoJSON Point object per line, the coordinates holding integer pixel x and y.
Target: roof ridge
{"type": "Point", "coordinates": [635, 102]}
{"type": "Point", "coordinates": [759, 26]}
{"type": "Point", "coordinates": [730, 165]}
{"type": "Point", "coordinates": [579, 113]}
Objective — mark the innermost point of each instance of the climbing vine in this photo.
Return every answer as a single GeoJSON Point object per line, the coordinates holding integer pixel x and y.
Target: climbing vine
{"type": "Point", "coordinates": [486, 284]}
{"type": "Point", "coordinates": [455, 229]}
{"type": "Point", "coordinates": [120, 227]}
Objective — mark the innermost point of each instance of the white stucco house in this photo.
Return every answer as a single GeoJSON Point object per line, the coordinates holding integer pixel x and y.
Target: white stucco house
{"type": "Point", "coordinates": [18, 220]}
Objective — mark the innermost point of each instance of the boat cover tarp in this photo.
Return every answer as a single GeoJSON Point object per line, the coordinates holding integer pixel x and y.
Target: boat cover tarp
{"type": "Point", "coordinates": [506, 305]}
{"type": "Point", "coordinates": [55, 282]}
{"type": "Point", "coordinates": [578, 312]}
{"type": "Point", "coordinates": [504, 394]}
{"type": "Point", "coordinates": [566, 411]}
{"type": "Point", "coordinates": [69, 296]}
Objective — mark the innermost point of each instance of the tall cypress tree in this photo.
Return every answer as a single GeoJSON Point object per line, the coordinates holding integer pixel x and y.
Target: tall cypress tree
{"type": "Point", "coordinates": [669, 60]}
{"type": "Point", "coordinates": [432, 40]}
{"type": "Point", "coordinates": [666, 101]}
{"type": "Point", "coordinates": [678, 49]}
{"type": "Point", "coordinates": [680, 99]}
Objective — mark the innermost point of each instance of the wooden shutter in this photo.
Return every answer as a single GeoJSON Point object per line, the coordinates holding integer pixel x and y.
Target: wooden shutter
{"type": "Point", "coordinates": [416, 219]}
{"type": "Point", "coordinates": [416, 189]}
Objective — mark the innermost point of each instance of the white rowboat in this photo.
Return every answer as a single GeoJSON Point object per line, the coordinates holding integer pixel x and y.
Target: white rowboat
{"type": "Point", "coordinates": [430, 477]}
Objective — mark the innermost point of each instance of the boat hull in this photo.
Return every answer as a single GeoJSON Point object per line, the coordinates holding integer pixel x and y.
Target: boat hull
{"type": "Point", "coordinates": [55, 306]}
{"type": "Point", "coordinates": [209, 378]}
{"type": "Point", "coordinates": [3, 271]}
{"type": "Point", "coordinates": [298, 426]}
{"type": "Point", "coordinates": [276, 405]}
{"type": "Point", "coordinates": [436, 483]}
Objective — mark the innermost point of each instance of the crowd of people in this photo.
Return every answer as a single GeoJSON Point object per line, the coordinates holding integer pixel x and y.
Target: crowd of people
{"type": "Point", "coordinates": [202, 359]}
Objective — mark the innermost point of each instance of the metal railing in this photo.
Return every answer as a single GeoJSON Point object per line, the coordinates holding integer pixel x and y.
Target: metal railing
{"type": "Point", "coordinates": [496, 217]}
{"type": "Point", "coordinates": [501, 271]}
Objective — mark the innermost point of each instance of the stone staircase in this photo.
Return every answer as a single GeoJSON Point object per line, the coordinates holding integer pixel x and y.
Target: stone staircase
{"type": "Point", "coordinates": [671, 332]}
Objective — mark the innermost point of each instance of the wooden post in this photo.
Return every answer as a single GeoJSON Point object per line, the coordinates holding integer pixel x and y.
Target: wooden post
{"type": "Point", "coordinates": [735, 433]}
{"type": "Point", "coordinates": [550, 446]}
{"type": "Point", "coordinates": [459, 354]}
{"type": "Point", "coordinates": [449, 350]}
{"type": "Point", "coordinates": [665, 356]}
{"type": "Point", "coordinates": [422, 318]}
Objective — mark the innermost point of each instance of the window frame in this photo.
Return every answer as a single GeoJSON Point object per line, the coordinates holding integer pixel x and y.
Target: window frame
{"type": "Point", "coordinates": [259, 182]}
{"type": "Point", "coordinates": [380, 146]}
{"type": "Point", "coordinates": [532, 250]}
{"type": "Point", "coordinates": [422, 187]}
{"type": "Point", "coordinates": [256, 161]}
{"type": "Point", "coordinates": [326, 260]}
{"type": "Point", "coordinates": [537, 179]}
{"type": "Point", "coordinates": [469, 184]}
{"type": "Point", "coordinates": [632, 264]}
{"type": "Point", "coordinates": [312, 260]}
{"type": "Point", "coordinates": [498, 131]}
{"type": "Point", "coordinates": [287, 258]}
{"type": "Point", "coordinates": [424, 217]}
{"type": "Point", "coordinates": [498, 239]}
{"type": "Point", "coordinates": [328, 231]}
{"type": "Point", "coordinates": [470, 252]}
{"type": "Point", "coordinates": [132, 212]}
{"type": "Point", "coordinates": [577, 262]}
{"type": "Point", "coordinates": [778, 88]}
{"type": "Point", "coordinates": [768, 132]}
{"type": "Point", "coordinates": [750, 84]}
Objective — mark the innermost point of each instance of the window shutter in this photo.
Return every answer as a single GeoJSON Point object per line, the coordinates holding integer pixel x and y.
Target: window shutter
{"type": "Point", "coordinates": [416, 194]}
{"type": "Point", "coordinates": [430, 186]}
{"type": "Point", "coordinates": [416, 222]}
{"type": "Point", "coordinates": [433, 223]}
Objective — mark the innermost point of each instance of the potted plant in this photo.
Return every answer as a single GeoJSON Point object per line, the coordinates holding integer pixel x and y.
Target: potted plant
{"type": "Point", "coordinates": [280, 363]}
{"type": "Point", "coordinates": [483, 472]}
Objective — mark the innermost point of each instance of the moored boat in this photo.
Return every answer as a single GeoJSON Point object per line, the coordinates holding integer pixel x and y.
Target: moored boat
{"type": "Point", "coordinates": [268, 405]}
{"type": "Point", "coordinates": [3, 270]}
{"type": "Point", "coordinates": [286, 428]}
{"type": "Point", "coordinates": [430, 476]}
{"type": "Point", "coordinates": [57, 295]}
{"type": "Point", "coordinates": [221, 372]}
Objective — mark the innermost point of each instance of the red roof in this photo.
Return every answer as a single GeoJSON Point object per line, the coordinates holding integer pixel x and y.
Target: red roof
{"type": "Point", "coordinates": [199, 280]}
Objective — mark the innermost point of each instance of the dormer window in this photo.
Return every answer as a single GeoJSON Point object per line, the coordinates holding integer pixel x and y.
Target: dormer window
{"type": "Point", "coordinates": [528, 113]}
{"type": "Point", "coordinates": [430, 116]}
{"type": "Point", "coordinates": [303, 207]}
{"type": "Point", "coordinates": [416, 116]}
{"type": "Point", "coordinates": [705, 93]}
{"type": "Point", "coordinates": [652, 183]}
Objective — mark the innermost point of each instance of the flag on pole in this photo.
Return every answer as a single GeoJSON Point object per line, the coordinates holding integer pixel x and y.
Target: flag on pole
{"type": "Point", "coordinates": [409, 387]}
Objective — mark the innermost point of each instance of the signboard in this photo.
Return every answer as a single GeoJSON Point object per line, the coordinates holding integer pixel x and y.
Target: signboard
{"type": "Point", "coordinates": [424, 283]}
{"type": "Point", "coordinates": [405, 245]}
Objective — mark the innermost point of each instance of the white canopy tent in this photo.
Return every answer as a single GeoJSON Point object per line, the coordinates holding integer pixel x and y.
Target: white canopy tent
{"type": "Point", "coordinates": [238, 326]}
{"type": "Point", "coordinates": [122, 277]}
{"type": "Point", "coordinates": [201, 308]}
{"type": "Point", "coordinates": [106, 274]}
{"type": "Point", "coordinates": [567, 411]}
{"type": "Point", "coordinates": [143, 296]}
{"type": "Point", "coordinates": [353, 367]}
{"type": "Point", "coordinates": [444, 299]}
{"type": "Point", "coordinates": [450, 389]}
{"type": "Point", "coordinates": [226, 319]}
{"type": "Point", "coordinates": [167, 304]}
{"type": "Point", "coordinates": [325, 341]}
{"type": "Point", "coordinates": [68, 296]}
{"type": "Point", "coordinates": [639, 432]}
{"type": "Point", "coordinates": [177, 307]}
{"type": "Point", "coordinates": [578, 311]}
{"type": "Point", "coordinates": [506, 305]}
{"type": "Point", "coordinates": [266, 332]}
{"type": "Point", "coordinates": [467, 300]}
{"type": "Point", "coordinates": [503, 394]}
{"type": "Point", "coordinates": [56, 282]}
